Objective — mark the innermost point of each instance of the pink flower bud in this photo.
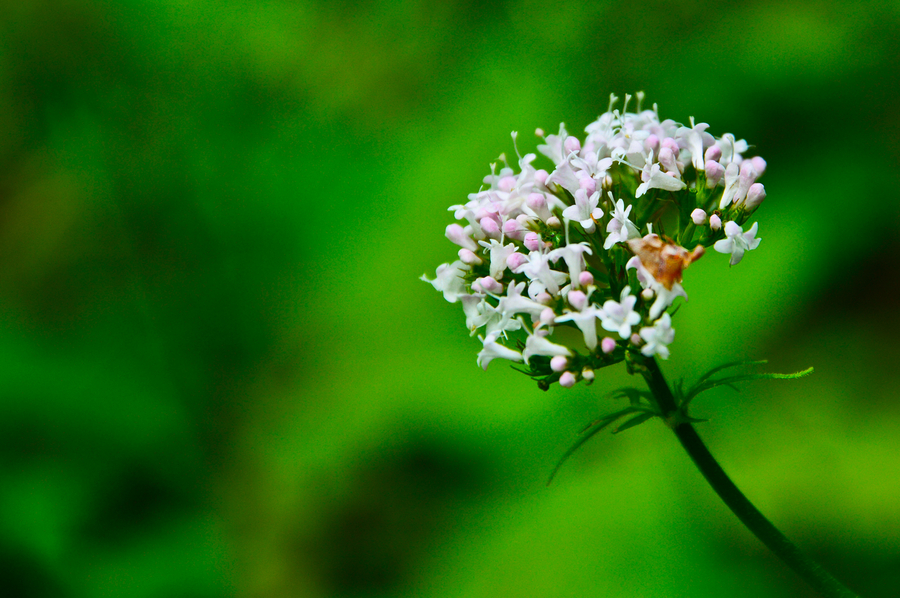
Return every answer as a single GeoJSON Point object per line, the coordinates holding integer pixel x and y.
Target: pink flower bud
{"type": "Point", "coordinates": [515, 261]}
{"type": "Point", "coordinates": [488, 285]}
{"type": "Point", "coordinates": [635, 339]}
{"type": "Point", "coordinates": [713, 153]}
{"type": "Point", "coordinates": [513, 230]}
{"type": "Point", "coordinates": [607, 345]}
{"type": "Point", "coordinates": [544, 298]}
{"type": "Point", "coordinates": [698, 216]}
{"type": "Point", "coordinates": [547, 317]}
{"type": "Point", "coordinates": [667, 159]}
{"type": "Point", "coordinates": [490, 227]}
{"type": "Point", "coordinates": [577, 299]}
{"type": "Point", "coordinates": [759, 165]}
{"type": "Point", "coordinates": [553, 222]}
{"type": "Point", "coordinates": [540, 176]}
{"type": "Point", "coordinates": [567, 380]}
{"type": "Point", "coordinates": [755, 196]}
{"type": "Point", "coordinates": [714, 173]}
{"type": "Point", "coordinates": [558, 363]}
{"type": "Point", "coordinates": [468, 257]}
{"type": "Point", "coordinates": [715, 222]}
{"type": "Point", "coordinates": [532, 241]}
{"type": "Point", "coordinates": [572, 144]}
{"type": "Point", "coordinates": [651, 143]}
{"type": "Point", "coordinates": [588, 184]}
{"type": "Point", "coordinates": [585, 279]}
{"type": "Point", "coordinates": [671, 144]}
{"type": "Point", "coordinates": [507, 183]}
{"type": "Point", "coordinates": [458, 235]}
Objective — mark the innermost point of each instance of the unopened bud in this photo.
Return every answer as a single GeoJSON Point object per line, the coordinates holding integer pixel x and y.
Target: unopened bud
{"type": "Point", "coordinates": [547, 317]}
{"type": "Point", "coordinates": [577, 299]}
{"type": "Point", "coordinates": [572, 144]}
{"type": "Point", "coordinates": [488, 285]}
{"type": "Point", "coordinates": [698, 216]}
{"type": "Point", "coordinates": [713, 153]}
{"type": "Point", "coordinates": [588, 375]}
{"type": "Point", "coordinates": [715, 222]}
{"type": "Point", "coordinates": [567, 380]}
{"type": "Point", "coordinates": [635, 339]}
{"type": "Point", "coordinates": [585, 279]}
{"type": "Point", "coordinates": [607, 345]}
{"type": "Point", "coordinates": [714, 173]}
{"type": "Point", "coordinates": [469, 257]}
{"type": "Point", "coordinates": [558, 363]}
{"type": "Point", "coordinates": [490, 227]}
{"type": "Point", "coordinates": [532, 241]}
{"type": "Point", "coordinates": [458, 235]}
{"type": "Point", "coordinates": [755, 196]}
{"type": "Point", "coordinates": [759, 165]}
{"type": "Point", "coordinates": [515, 261]}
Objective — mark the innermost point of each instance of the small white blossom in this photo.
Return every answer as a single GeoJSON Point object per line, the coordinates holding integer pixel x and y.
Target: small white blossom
{"type": "Point", "coordinates": [586, 320]}
{"type": "Point", "coordinates": [620, 228]}
{"type": "Point", "coordinates": [737, 241]}
{"type": "Point", "coordinates": [620, 317]}
{"type": "Point", "coordinates": [658, 338]}
{"type": "Point", "coordinates": [585, 210]}
{"type": "Point", "coordinates": [657, 179]}
{"type": "Point", "coordinates": [449, 280]}
{"type": "Point", "coordinates": [499, 253]}
{"type": "Point", "coordinates": [493, 350]}
{"type": "Point", "coordinates": [537, 344]}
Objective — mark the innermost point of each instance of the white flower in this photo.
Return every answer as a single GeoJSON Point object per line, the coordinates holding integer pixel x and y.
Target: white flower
{"type": "Point", "coordinates": [620, 228]}
{"type": "Point", "coordinates": [585, 210]}
{"type": "Point", "coordinates": [537, 344]}
{"type": "Point", "coordinates": [657, 179]}
{"type": "Point", "coordinates": [586, 320]}
{"type": "Point", "coordinates": [492, 350]}
{"type": "Point", "coordinates": [620, 317]}
{"type": "Point", "coordinates": [515, 303]}
{"type": "Point", "coordinates": [449, 280]}
{"type": "Point", "coordinates": [499, 253]}
{"type": "Point", "coordinates": [696, 138]}
{"type": "Point", "coordinates": [573, 255]}
{"type": "Point", "coordinates": [737, 241]}
{"type": "Point", "coordinates": [658, 338]}
{"type": "Point", "coordinates": [538, 269]}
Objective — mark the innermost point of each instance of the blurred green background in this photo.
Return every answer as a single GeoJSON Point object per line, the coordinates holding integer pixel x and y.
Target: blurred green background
{"type": "Point", "coordinates": [220, 375]}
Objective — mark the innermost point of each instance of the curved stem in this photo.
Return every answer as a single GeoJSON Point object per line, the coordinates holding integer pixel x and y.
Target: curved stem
{"type": "Point", "coordinates": [756, 522]}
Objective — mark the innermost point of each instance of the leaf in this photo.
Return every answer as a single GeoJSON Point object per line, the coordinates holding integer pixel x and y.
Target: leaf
{"type": "Point", "coordinates": [731, 380]}
{"type": "Point", "coordinates": [600, 425]}
{"type": "Point", "coordinates": [634, 421]}
{"type": "Point", "coordinates": [725, 366]}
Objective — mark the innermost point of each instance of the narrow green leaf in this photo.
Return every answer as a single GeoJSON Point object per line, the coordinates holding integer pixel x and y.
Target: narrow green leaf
{"type": "Point", "coordinates": [634, 421]}
{"type": "Point", "coordinates": [603, 423]}
{"type": "Point", "coordinates": [731, 380]}
{"type": "Point", "coordinates": [725, 366]}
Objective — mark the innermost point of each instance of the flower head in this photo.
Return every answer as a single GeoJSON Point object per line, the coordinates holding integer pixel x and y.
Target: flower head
{"type": "Point", "coordinates": [541, 244]}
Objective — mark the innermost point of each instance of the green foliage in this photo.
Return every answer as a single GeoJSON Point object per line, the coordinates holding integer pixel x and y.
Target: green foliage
{"type": "Point", "coordinates": [707, 382]}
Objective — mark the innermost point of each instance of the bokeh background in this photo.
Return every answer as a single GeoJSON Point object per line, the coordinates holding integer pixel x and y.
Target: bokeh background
{"type": "Point", "coordinates": [221, 376]}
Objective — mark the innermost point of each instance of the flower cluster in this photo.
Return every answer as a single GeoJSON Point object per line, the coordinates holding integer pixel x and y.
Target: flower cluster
{"type": "Point", "coordinates": [599, 239]}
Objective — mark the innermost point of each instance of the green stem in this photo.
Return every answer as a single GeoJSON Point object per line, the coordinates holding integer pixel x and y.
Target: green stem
{"type": "Point", "coordinates": [756, 522]}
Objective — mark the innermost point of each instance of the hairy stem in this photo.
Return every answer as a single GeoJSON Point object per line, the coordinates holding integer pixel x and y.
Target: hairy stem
{"type": "Point", "coordinates": [756, 522]}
